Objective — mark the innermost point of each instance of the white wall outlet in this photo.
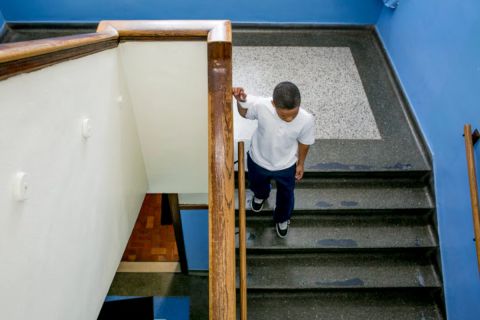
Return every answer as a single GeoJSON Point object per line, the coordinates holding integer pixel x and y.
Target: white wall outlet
{"type": "Point", "coordinates": [20, 189]}
{"type": "Point", "coordinates": [86, 128]}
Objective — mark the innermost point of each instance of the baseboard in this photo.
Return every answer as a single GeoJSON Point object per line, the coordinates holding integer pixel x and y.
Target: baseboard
{"type": "Point", "coordinates": [300, 25]}
{"type": "Point", "coordinates": [52, 25]}
{"type": "Point", "coordinates": [169, 267]}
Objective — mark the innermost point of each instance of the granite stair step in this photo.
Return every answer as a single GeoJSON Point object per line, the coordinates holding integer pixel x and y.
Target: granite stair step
{"type": "Point", "coordinates": [345, 305]}
{"type": "Point", "coordinates": [420, 213]}
{"type": "Point", "coordinates": [331, 232]}
{"type": "Point", "coordinates": [339, 271]}
{"type": "Point", "coordinates": [312, 173]}
{"type": "Point", "coordinates": [354, 182]}
{"type": "Point", "coordinates": [353, 172]}
{"type": "Point", "coordinates": [329, 197]}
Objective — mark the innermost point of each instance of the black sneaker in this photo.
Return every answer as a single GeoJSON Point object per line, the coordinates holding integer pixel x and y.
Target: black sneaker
{"type": "Point", "coordinates": [282, 228]}
{"type": "Point", "coordinates": [257, 204]}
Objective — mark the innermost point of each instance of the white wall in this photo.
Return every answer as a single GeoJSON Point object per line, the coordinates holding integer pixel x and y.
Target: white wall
{"type": "Point", "coordinates": [59, 249]}
{"type": "Point", "coordinates": [168, 84]}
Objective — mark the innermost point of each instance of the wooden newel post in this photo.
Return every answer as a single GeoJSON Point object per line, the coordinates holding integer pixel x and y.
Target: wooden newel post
{"type": "Point", "coordinates": [221, 188]}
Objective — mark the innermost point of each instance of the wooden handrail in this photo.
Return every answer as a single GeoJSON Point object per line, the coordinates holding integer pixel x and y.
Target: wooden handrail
{"type": "Point", "coordinates": [212, 30]}
{"type": "Point", "coordinates": [242, 232]}
{"type": "Point", "coordinates": [27, 56]}
{"type": "Point", "coordinates": [24, 57]}
{"type": "Point", "coordinates": [28, 49]}
{"type": "Point", "coordinates": [472, 176]}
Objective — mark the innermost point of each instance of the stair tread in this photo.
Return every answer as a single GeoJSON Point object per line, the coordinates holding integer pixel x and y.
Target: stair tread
{"type": "Point", "coordinates": [342, 305]}
{"type": "Point", "coordinates": [332, 271]}
{"type": "Point", "coordinates": [312, 232]}
{"type": "Point", "coordinates": [354, 174]}
{"type": "Point", "coordinates": [330, 198]}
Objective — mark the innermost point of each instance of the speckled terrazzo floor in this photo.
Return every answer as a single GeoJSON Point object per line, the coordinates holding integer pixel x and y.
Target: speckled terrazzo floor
{"type": "Point", "coordinates": [362, 117]}
{"type": "Point", "coordinates": [328, 80]}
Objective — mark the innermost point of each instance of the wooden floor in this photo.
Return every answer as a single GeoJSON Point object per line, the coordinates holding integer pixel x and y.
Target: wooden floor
{"type": "Point", "coordinates": [150, 241]}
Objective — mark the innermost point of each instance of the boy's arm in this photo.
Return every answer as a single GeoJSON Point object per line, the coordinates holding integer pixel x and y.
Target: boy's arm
{"type": "Point", "coordinates": [241, 111]}
{"type": "Point", "coordinates": [302, 155]}
{"type": "Point", "coordinates": [306, 138]}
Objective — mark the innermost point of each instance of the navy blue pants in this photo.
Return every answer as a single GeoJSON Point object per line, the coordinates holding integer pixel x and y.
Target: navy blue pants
{"type": "Point", "coordinates": [260, 178]}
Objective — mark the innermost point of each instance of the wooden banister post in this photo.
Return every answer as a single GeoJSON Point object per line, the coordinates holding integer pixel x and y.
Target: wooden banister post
{"type": "Point", "coordinates": [242, 231]}
{"type": "Point", "coordinates": [222, 302]}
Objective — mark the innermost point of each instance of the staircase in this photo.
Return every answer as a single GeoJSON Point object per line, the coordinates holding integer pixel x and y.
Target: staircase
{"type": "Point", "coordinates": [360, 246]}
{"type": "Point", "coordinates": [363, 239]}
{"type": "Point", "coordinates": [362, 242]}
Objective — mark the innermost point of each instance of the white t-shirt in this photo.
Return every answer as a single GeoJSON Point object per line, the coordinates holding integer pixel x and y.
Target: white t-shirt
{"type": "Point", "coordinates": [275, 142]}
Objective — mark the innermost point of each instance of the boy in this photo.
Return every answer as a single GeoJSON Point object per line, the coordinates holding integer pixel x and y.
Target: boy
{"type": "Point", "coordinates": [279, 147]}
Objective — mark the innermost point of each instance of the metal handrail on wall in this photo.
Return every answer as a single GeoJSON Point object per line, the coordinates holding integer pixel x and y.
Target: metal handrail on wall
{"type": "Point", "coordinates": [470, 139]}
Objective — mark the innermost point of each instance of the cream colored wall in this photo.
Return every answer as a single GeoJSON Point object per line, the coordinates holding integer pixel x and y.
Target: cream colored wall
{"type": "Point", "coordinates": [60, 248]}
{"type": "Point", "coordinates": [168, 84]}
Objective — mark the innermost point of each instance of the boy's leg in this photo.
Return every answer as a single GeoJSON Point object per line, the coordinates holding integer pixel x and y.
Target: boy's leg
{"type": "Point", "coordinates": [285, 180]}
{"type": "Point", "coordinates": [259, 179]}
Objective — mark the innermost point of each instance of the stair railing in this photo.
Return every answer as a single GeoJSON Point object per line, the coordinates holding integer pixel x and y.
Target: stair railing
{"type": "Point", "coordinates": [242, 231]}
{"type": "Point", "coordinates": [470, 139]}
{"type": "Point", "coordinates": [27, 56]}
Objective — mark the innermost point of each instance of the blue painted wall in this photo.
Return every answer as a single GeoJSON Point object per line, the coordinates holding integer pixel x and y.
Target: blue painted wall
{"type": "Point", "coordinates": [171, 308]}
{"type": "Point", "coordinates": [195, 234]}
{"type": "Point", "coordinates": [311, 11]}
{"type": "Point", "coordinates": [435, 48]}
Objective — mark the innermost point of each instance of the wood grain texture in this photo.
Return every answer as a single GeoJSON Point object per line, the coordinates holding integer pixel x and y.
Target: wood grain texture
{"type": "Point", "coordinates": [28, 49]}
{"type": "Point", "coordinates": [472, 176]}
{"type": "Point", "coordinates": [21, 57]}
{"type": "Point", "coordinates": [222, 302]}
{"type": "Point", "coordinates": [211, 30]}
{"type": "Point", "coordinates": [15, 67]}
{"type": "Point", "coordinates": [242, 239]}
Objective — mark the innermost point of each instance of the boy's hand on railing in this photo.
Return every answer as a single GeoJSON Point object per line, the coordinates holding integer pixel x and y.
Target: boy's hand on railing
{"type": "Point", "coordinates": [239, 94]}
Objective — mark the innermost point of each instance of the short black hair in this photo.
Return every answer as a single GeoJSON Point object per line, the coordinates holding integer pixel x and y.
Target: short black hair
{"type": "Point", "coordinates": [286, 95]}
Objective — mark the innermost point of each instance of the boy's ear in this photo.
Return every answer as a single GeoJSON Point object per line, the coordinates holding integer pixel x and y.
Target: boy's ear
{"type": "Point", "coordinates": [273, 104]}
